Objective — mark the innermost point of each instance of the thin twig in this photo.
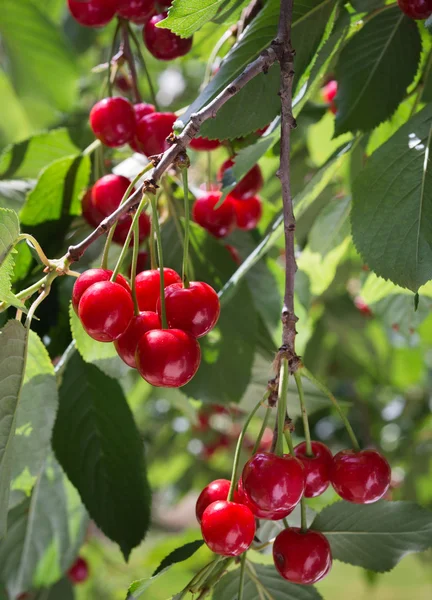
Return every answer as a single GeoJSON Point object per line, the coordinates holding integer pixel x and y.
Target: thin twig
{"type": "Point", "coordinates": [129, 57]}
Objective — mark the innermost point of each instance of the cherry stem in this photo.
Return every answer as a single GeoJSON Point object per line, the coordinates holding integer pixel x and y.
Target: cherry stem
{"type": "Point", "coordinates": [282, 405]}
{"type": "Point", "coordinates": [33, 241]}
{"type": "Point", "coordinates": [111, 54]}
{"type": "Point", "coordinates": [262, 430]}
{"type": "Point", "coordinates": [127, 53]}
{"type": "Point", "coordinates": [204, 575]}
{"type": "Point", "coordinates": [209, 171]}
{"type": "Point", "coordinates": [242, 576]}
{"type": "Point", "coordinates": [303, 517]}
{"type": "Point", "coordinates": [239, 446]}
{"type": "Point", "coordinates": [187, 229]}
{"type": "Point", "coordinates": [128, 238]}
{"type": "Point", "coordinates": [135, 251]}
{"type": "Point", "coordinates": [327, 392]}
{"type": "Point", "coordinates": [285, 522]}
{"type": "Point", "coordinates": [289, 441]}
{"type": "Point", "coordinates": [152, 247]}
{"type": "Point", "coordinates": [91, 148]}
{"type": "Point", "coordinates": [144, 65]}
{"type": "Point", "coordinates": [306, 428]}
{"type": "Point", "coordinates": [155, 220]}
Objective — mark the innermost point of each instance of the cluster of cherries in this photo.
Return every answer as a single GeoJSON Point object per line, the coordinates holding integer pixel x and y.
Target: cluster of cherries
{"type": "Point", "coordinates": [271, 486]}
{"type": "Point", "coordinates": [161, 43]}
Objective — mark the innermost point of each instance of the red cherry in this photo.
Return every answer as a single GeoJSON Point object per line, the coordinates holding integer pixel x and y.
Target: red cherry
{"type": "Point", "coordinates": [105, 311]}
{"type": "Point", "coordinates": [360, 477]}
{"type": "Point", "coordinates": [142, 109]}
{"type": "Point", "coordinates": [142, 261]}
{"type": "Point", "coordinates": [88, 278]}
{"type": "Point", "coordinates": [361, 305]}
{"type": "Point", "coordinates": [248, 212]}
{"type": "Point", "coordinates": [124, 224]}
{"type": "Point", "coordinates": [228, 528]}
{"type": "Point", "coordinates": [302, 557]}
{"type": "Point", "coordinates": [202, 144]}
{"type": "Point", "coordinates": [163, 43]}
{"type": "Point", "coordinates": [220, 221]}
{"type": "Point", "coordinates": [113, 121]}
{"type": "Point", "coordinates": [79, 571]}
{"type": "Point", "coordinates": [216, 490]}
{"type": "Point", "coordinates": [165, 3]}
{"type": "Point", "coordinates": [275, 515]}
{"type": "Point", "coordinates": [235, 255]}
{"type": "Point", "coordinates": [137, 11]}
{"type": "Point", "coordinates": [89, 211]}
{"type": "Point", "coordinates": [108, 192]}
{"type": "Point", "coordinates": [416, 9]}
{"type": "Point", "coordinates": [317, 468]}
{"type": "Point", "coordinates": [329, 91]}
{"type": "Point", "coordinates": [274, 482]}
{"type": "Point", "coordinates": [168, 357]}
{"type": "Point", "coordinates": [249, 185]}
{"type": "Point", "coordinates": [194, 309]}
{"type": "Point", "coordinates": [127, 343]}
{"type": "Point", "coordinates": [152, 132]}
{"type": "Point", "coordinates": [147, 286]}
{"type": "Point", "coordinates": [93, 13]}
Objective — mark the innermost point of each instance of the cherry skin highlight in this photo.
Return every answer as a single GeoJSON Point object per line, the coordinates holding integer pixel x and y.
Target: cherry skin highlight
{"type": "Point", "coordinates": [105, 310]}
{"type": "Point", "coordinates": [249, 185]}
{"type": "Point", "coordinates": [127, 343]}
{"type": "Point", "coordinates": [274, 482]}
{"type": "Point", "coordinates": [147, 285]}
{"type": "Point", "coordinates": [108, 192]}
{"type": "Point", "coordinates": [162, 43]}
{"type": "Point", "coordinates": [89, 211]}
{"type": "Point", "coordinates": [275, 515]}
{"type": "Point", "coordinates": [220, 221]}
{"type": "Point", "coordinates": [168, 357]}
{"type": "Point", "coordinates": [79, 571]}
{"type": "Point", "coordinates": [88, 278]}
{"type": "Point", "coordinates": [152, 132]}
{"type": "Point", "coordinates": [216, 490]}
{"type": "Point", "coordinates": [302, 557]}
{"type": "Point", "coordinates": [248, 212]}
{"type": "Point", "coordinates": [202, 144]}
{"type": "Point", "coordinates": [95, 13]}
{"type": "Point", "coordinates": [113, 121]}
{"type": "Point", "coordinates": [137, 11]}
{"type": "Point", "coordinates": [228, 528]}
{"type": "Point", "coordinates": [360, 477]}
{"type": "Point", "coordinates": [416, 9]}
{"type": "Point", "coordinates": [194, 309]}
{"type": "Point", "coordinates": [317, 468]}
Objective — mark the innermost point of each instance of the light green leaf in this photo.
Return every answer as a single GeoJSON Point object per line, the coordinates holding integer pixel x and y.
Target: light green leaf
{"type": "Point", "coordinates": [179, 555]}
{"type": "Point", "coordinates": [9, 231]}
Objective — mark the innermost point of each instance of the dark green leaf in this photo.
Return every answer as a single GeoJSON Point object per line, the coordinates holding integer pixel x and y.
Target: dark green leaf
{"type": "Point", "coordinates": [9, 231]}
{"type": "Point", "coordinates": [63, 590]}
{"type": "Point", "coordinates": [98, 445]}
{"type": "Point", "coordinates": [331, 227]}
{"type": "Point", "coordinates": [366, 5]}
{"type": "Point", "coordinates": [179, 555]}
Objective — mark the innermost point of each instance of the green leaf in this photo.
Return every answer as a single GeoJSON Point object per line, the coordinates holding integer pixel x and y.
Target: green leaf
{"type": "Point", "coordinates": [391, 216]}
{"type": "Point", "coordinates": [179, 555]}
{"type": "Point", "coordinates": [9, 231]}
{"type": "Point", "coordinates": [383, 55]}
{"type": "Point", "coordinates": [331, 227]}
{"type": "Point", "coordinates": [97, 443]}
{"type": "Point", "coordinates": [269, 579]}
{"type": "Point", "coordinates": [13, 193]}
{"type": "Point", "coordinates": [375, 536]}
{"type": "Point", "coordinates": [58, 191]}
{"type": "Point", "coordinates": [28, 158]}
{"type": "Point", "coordinates": [62, 590]}
{"type": "Point", "coordinates": [40, 63]}
{"type": "Point", "coordinates": [13, 347]}
{"type": "Point", "coordinates": [366, 5]}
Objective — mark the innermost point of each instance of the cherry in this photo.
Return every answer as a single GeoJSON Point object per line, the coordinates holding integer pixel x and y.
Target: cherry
{"type": "Point", "coordinates": [416, 9]}
{"type": "Point", "coordinates": [364, 308]}
{"type": "Point", "coordinates": [88, 278]}
{"type": "Point", "coordinates": [147, 286]}
{"type": "Point", "coordinates": [113, 121]}
{"type": "Point", "coordinates": [163, 43]}
{"type": "Point", "coordinates": [248, 212]}
{"type": "Point", "coordinates": [360, 477]}
{"type": "Point", "coordinates": [93, 13]}
{"type": "Point", "coordinates": [216, 490]}
{"type": "Point", "coordinates": [108, 192]}
{"type": "Point", "coordinates": [127, 343]}
{"type": "Point", "coordinates": [202, 144]}
{"type": "Point", "coordinates": [79, 571]}
{"type": "Point", "coordinates": [302, 557]}
{"type": "Point", "coordinates": [317, 468]}
{"type": "Point", "coordinates": [89, 211]}
{"type": "Point", "coordinates": [220, 221]}
{"type": "Point", "coordinates": [167, 357]}
{"type": "Point", "coordinates": [194, 309]}
{"type": "Point", "coordinates": [105, 310]}
{"type": "Point", "coordinates": [152, 132]}
{"type": "Point", "coordinates": [124, 224]}
{"type": "Point", "coordinates": [137, 11]}
{"type": "Point", "coordinates": [228, 528]}
{"type": "Point", "coordinates": [274, 515]}
{"type": "Point", "coordinates": [273, 482]}
{"type": "Point", "coordinates": [123, 83]}
{"type": "Point", "coordinates": [249, 185]}
{"type": "Point", "coordinates": [142, 109]}
{"type": "Point", "coordinates": [329, 91]}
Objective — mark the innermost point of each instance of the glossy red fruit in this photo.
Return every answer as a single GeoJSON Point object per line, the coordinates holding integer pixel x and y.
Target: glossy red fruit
{"type": "Point", "coordinates": [216, 490]}
{"type": "Point", "coordinates": [162, 43]}
{"type": "Point", "coordinates": [248, 212]}
{"type": "Point", "coordinates": [89, 211]}
{"type": "Point", "coordinates": [108, 192]}
{"type": "Point", "coordinates": [88, 278]}
{"type": "Point", "coordinates": [202, 144]}
{"type": "Point", "coordinates": [360, 477]}
{"type": "Point", "coordinates": [364, 308]}
{"type": "Point", "coordinates": [127, 343]}
{"type": "Point", "coordinates": [123, 226]}
{"type": "Point", "coordinates": [137, 11]}
{"type": "Point", "coordinates": [220, 221]}
{"type": "Point", "coordinates": [275, 515]}
{"type": "Point", "coordinates": [228, 528]}
{"type": "Point", "coordinates": [147, 286]}
{"type": "Point", "coordinates": [142, 109]}
{"type": "Point", "coordinates": [247, 187]}
{"type": "Point", "coordinates": [329, 91]}
{"type": "Point", "coordinates": [194, 309]}
{"type": "Point", "coordinates": [416, 9]}
{"type": "Point", "coordinates": [79, 571]}
{"type": "Point", "coordinates": [274, 482]}
{"type": "Point", "coordinates": [303, 558]}
{"type": "Point", "coordinates": [317, 467]}
{"type": "Point", "coordinates": [152, 132]}
{"type": "Point", "coordinates": [93, 13]}
{"type": "Point", "coordinates": [168, 357]}
{"type": "Point", "coordinates": [105, 310]}
{"type": "Point", "coordinates": [113, 121]}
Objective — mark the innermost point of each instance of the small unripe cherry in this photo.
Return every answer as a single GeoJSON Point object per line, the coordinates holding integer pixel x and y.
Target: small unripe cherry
{"type": "Point", "coordinates": [113, 121]}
